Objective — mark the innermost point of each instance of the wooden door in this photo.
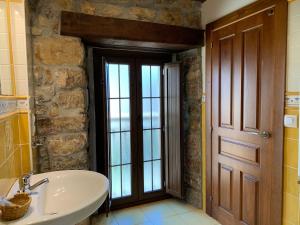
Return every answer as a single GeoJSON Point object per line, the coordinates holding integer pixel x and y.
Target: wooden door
{"type": "Point", "coordinates": [173, 129]}
{"type": "Point", "coordinates": [243, 108]}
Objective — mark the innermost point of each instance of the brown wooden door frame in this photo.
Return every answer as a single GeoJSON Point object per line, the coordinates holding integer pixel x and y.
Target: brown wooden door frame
{"type": "Point", "coordinates": [279, 88]}
{"type": "Point", "coordinates": [135, 59]}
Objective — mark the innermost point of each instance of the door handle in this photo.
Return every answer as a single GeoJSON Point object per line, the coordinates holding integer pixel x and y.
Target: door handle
{"type": "Point", "coordinates": [263, 134]}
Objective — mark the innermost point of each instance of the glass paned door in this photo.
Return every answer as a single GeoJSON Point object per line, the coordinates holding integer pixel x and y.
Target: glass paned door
{"type": "Point", "coordinates": [119, 129]}
{"type": "Point", "coordinates": [151, 110]}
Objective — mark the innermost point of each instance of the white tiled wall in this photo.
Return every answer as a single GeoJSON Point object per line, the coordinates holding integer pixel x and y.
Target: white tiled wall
{"type": "Point", "coordinates": [19, 47]}
{"type": "Point", "coordinates": [293, 47]}
{"type": "Point", "coordinates": [5, 81]}
{"type": "Point", "coordinates": [17, 14]}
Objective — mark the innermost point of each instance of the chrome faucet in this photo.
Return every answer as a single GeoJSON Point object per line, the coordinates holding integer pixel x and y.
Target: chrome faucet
{"type": "Point", "coordinates": [24, 183]}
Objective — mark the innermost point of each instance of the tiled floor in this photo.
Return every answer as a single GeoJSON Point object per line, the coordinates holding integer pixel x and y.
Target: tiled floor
{"type": "Point", "coordinates": [166, 212]}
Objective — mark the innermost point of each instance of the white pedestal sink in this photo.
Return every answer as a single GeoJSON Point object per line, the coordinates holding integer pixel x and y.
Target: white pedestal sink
{"type": "Point", "coordinates": [68, 198]}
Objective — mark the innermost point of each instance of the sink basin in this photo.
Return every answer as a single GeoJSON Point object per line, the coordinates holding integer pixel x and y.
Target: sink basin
{"type": "Point", "coordinates": [68, 198]}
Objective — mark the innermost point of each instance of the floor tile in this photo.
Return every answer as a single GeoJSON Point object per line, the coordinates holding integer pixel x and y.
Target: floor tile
{"type": "Point", "coordinates": [196, 218]}
{"type": "Point", "coordinates": [130, 216]}
{"type": "Point", "coordinates": [166, 212]}
{"type": "Point", "coordinates": [103, 220]}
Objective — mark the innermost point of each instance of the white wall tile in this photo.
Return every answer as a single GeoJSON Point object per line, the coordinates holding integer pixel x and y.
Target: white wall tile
{"type": "Point", "coordinates": [20, 58]}
{"type": "Point", "coordinates": [6, 87]}
{"type": "Point", "coordinates": [5, 72]}
{"type": "Point", "coordinates": [19, 42]}
{"type": "Point", "coordinates": [22, 87]}
{"type": "Point", "coordinates": [5, 57]}
{"type": "Point", "coordinates": [293, 48]}
{"type": "Point", "coordinates": [21, 72]}
{"type": "Point", "coordinates": [3, 25]}
{"type": "Point", "coordinates": [4, 41]}
{"type": "Point", "coordinates": [2, 9]}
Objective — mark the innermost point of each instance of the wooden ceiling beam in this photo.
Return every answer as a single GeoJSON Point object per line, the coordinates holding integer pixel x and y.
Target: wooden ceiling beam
{"type": "Point", "coordinates": [112, 31]}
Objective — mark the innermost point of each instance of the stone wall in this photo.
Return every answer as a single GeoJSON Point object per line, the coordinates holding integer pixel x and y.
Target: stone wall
{"type": "Point", "coordinates": [191, 61]}
{"type": "Point", "coordinates": [60, 80]}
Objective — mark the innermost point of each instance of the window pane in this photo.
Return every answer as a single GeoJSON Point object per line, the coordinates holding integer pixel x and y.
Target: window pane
{"type": "Point", "coordinates": [146, 114]}
{"type": "Point", "coordinates": [115, 149]}
{"type": "Point", "coordinates": [126, 180]}
{"type": "Point", "coordinates": [125, 115]}
{"type": "Point", "coordinates": [126, 156]}
{"type": "Point", "coordinates": [155, 81]}
{"type": "Point", "coordinates": [124, 81]}
{"type": "Point", "coordinates": [147, 176]}
{"type": "Point", "coordinates": [113, 79]}
{"type": "Point", "coordinates": [156, 113]}
{"type": "Point", "coordinates": [146, 81]}
{"type": "Point", "coordinates": [156, 142]}
{"type": "Point", "coordinates": [116, 181]}
{"type": "Point", "coordinates": [156, 175]}
{"type": "Point", "coordinates": [114, 115]}
{"type": "Point", "coordinates": [147, 145]}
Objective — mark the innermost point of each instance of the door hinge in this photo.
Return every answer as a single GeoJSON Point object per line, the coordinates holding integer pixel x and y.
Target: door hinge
{"type": "Point", "coordinates": [164, 183]}
{"type": "Point", "coordinates": [211, 45]}
{"type": "Point", "coordinates": [210, 198]}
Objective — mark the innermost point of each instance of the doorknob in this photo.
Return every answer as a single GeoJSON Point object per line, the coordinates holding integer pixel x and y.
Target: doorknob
{"type": "Point", "coordinates": [263, 134]}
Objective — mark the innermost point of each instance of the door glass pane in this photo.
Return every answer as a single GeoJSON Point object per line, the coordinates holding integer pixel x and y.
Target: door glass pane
{"type": "Point", "coordinates": [116, 181]}
{"type": "Point", "coordinates": [114, 107]}
{"type": "Point", "coordinates": [126, 147]}
{"type": "Point", "coordinates": [146, 113]}
{"type": "Point", "coordinates": [155, 81]}
{"type": "Point", "coordinates": [113, 80]}
{"type": "Point", "coordinates": [124, 81]}
{"type": "Point", "coordinates": [119, 129]}
{"type": "Point", "coordinates": [151, 80]}
{"type": "Point", "coordinates": [115, 149]}
{"type": "Point", "coordinates": [147, 176]}
{"type": "Point", "coordinates": [147, 145]}
{"type": "Point", "coordinates": [125, 115]}
{"type": "Point", "coordinates": [146, 81]}
{"type": "Point", "coordinates": [126, 180]}
{"type": "Point", "coordinates": [157, 175]}
{"type": "Point", "coordinates": [156, 113]}
{"type": "Point", "coordinates": [156, 142]}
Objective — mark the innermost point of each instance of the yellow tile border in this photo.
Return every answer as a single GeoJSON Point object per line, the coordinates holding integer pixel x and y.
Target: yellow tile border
{"type": "Point", "coordinates": [10, 97]}
{"type": "Point", "coordinates": [292, 93]}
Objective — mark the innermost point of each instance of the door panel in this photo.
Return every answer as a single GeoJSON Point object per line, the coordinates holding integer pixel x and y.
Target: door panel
{"type": "Point", "coordinates": [242, 83]}
{"type": "Point", "coordinates": [173, 129]}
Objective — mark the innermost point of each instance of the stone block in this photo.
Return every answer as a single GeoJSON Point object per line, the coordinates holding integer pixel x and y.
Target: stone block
{"type": "Point", "coordinates": [139, 13]}
{"type": "Point", "coordinates": [61, 124]}
{"type": "Point", "coordinates": [74, 99]}
{"type": "Point", "coordinates": [58, 51]}
{"type": "Point", "coordinates": [70, 77]}
{"type": "Point", "coordinates": [77, 160]}
{"type": "Point", "coordinates": [66, 144]}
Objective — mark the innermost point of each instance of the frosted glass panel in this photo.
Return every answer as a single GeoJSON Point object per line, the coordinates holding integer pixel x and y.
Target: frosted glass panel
{"type": "Point", "coordinates": [126, 180]}
{"type": "Point", "coordinates": [156, 144]}
{"type": "Point", "coordinates": [116, 181]}
{"type": "Point", "coordinates": [146, 81]}
{"type": "Point", "coordinates": [147, 145]}
{"type": "Point", "coordinates": [146, 113]}
{"type": "Point", "coordinates": [147, 176]}
{"type": "Point", "coordinates": [119, 129]}
{"type": "Point", "coordinates": [126, 152]}
{"type": "Point", "coordinates": [155, 81]}
{"type": "Point", "coordinates": [157, 175]}
{"type": "Point", "coordinates": [125, 115]}
{"type": "Point", "coordinates": [156, 113]}
{"type": "Point", "coordinates": [114, 108]}
{"type": "Point", "coordinates": [113, 79]}
{"type": "Point", "coordinates": [115, 149]}
{"type": "Point", "coordinates": [124, 81]}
